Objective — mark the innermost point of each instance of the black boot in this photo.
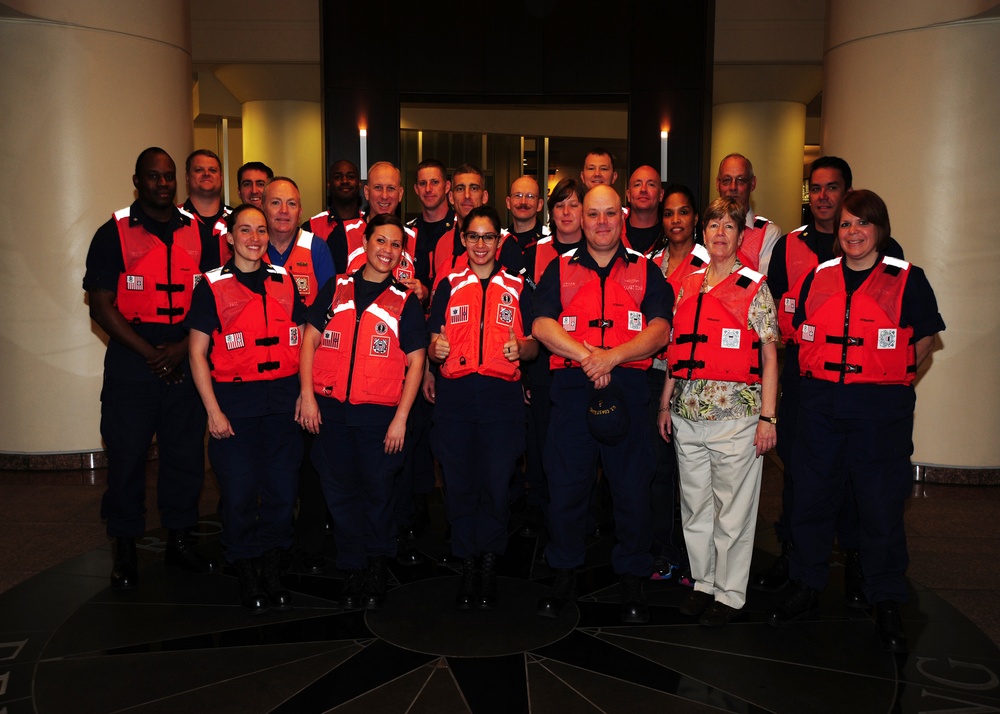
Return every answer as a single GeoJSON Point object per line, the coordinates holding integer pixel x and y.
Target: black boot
{"type": "Point", "coordinates": [774, 578]}
{"type": "Point", "coordinates": [635, 610]}
{"type": "Point", "coordinates": [487, 581]}
{"type": "Point", "coordinates": [467, 585]}
{"type": "Point", "coordinates": [854, 580]}
{"type": "Point", "coordinates": [252, 597]}
{"type": "Point", "coordinates": [376, 583]}
{"type": "Point", "coordinates": [801, 603]}
{"type": "Point", "coordinates": [181, 553]}
{"type": "Point", "coordinates": [563, 592]}
{"type": "Point", "coordinates": [125, 572]}
{"type": "Point", "coordinates": [270, 576]}
{"type": "Point", "coordinates": [353, 591]}
{"type": "Point", "coordinates": [890, 626]}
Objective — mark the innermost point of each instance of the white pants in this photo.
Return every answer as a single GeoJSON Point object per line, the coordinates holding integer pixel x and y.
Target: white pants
{"type": "Point", "coordinates": [720, 488]}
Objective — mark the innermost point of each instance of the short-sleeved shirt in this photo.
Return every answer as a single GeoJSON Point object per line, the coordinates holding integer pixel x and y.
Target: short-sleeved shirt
{"type": "Point", "coordinates": [717, 400]}
{"type": "Point", "coordinates": [412, 336]}
{"type": "Point", "coordinates": [475, 396]}
{"type": "Point", "coordinates": [251, 398]}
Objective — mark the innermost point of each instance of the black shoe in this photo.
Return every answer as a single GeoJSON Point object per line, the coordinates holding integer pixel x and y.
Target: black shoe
{"type": "Point", "coordinates": [352, 593]}
{"type": "Point", "coordinates": [635, 610]}
{"type": "Point", "coordinates": [181, 553]}
{"type": "Point", "coordinates": [407, 557]}
{"type": "Point", "coordinates": [467, 585]}
{"type": "Point", "coordinates": [890, 627]}
{"type": "Point", "coordinates": [313, 563]}
{"type": "Point", "coordinates": [125, 572]}
{"type": "Point", "coordinates": [270, 577]}
{"type": "Point", "coordinates": [801, 603]}
{"type": "Point", "coordinates": [774, 578]}
{"type": "Point", "coordinates": [563, 592]}
{"type": "Point", "coordinates": [854, 581]}
{"type": "Point", "coordinates": [696, 603]}
{"type": "Point", "coordinates": [533, 525]}
{"type": "Point", "coordinates": [252, 596]}
{"type": "Point", "coordinates": [718, 614]}
{"type": "Point", "coordinates": [604, 528]}
{"type": "Point", "coordinates": [487, 598]}
{"type": "Point", "coordinates": [376, 583]}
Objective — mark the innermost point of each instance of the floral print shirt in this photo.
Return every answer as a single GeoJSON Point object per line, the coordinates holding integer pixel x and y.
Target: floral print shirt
{"type": "Point", "coordinates": [714, 400]}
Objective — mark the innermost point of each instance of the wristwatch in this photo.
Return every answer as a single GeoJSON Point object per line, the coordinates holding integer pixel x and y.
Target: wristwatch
{"type": "Point", "coordinates": [769, 420]}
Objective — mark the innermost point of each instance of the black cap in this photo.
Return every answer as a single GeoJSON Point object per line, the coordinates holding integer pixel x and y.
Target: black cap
{"type": "Point", "coordinates": [607, 417]}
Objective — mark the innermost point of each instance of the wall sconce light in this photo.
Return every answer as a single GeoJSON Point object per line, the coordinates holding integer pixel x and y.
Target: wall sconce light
{"type": "Point", "coordinates": [663, 156]}
{"type": "Point", "coordinates": [363, 134]}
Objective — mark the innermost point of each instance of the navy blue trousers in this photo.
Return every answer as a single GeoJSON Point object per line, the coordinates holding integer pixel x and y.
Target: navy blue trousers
{"type": "Point", "coordinates": [663, 494]}
{"type": "Point", "coordinates": [477, 459]}
{"type": "Point", "coordinates": [258, 474]}
{"type": "Point", "coordinates": [571, 455]}
{"type": "Point", "coordinates": [877, 457]}
{"type": "Point", "coordinates": [357, 478]}
{"type": "Point", "coordinates": [132, 412]}
{"type": "Point", "coordinates": [848, 525]}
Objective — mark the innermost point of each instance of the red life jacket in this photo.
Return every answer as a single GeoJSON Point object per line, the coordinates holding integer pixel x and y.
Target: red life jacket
{"type": "Point", "coordinates": [753, 240]}
{"type": "Point", "coordinates": [695, 260]}
{"type": "Point", "coordinates": [256, 342]}
{"type": "Point", "coordinates": [856, 338]}
{"type": "Point", "coordinates": [359, 359]}
{"type": "Point", "coordinates": [604, 315]}
{"type": "Point", "coordinates": [478, 324]}
{"type": "Point", "coordinates": [545, 253]}
{"type": "Point", "coordinates": [799, 262]}
{"type": "Point", "coordinates": [158, 279]}
{"type": "Point", "coordinates": [300, 266]}
{"type": "Point", "coordinates": [711, 339]}
{"type": "Point", "coordinates": [322, 225]}
{"type": "Point", "coordinates": [356, 257]}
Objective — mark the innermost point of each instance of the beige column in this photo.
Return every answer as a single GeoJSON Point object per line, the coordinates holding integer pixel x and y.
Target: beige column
{"type": "Point", "coordinates": [287, 135]}
{"type": "Point", "coordinates": [85, 87]}
{"type": "Point", "coordinates": [771, 135]}
{"type": "Point", "coordinates": [910, 99]}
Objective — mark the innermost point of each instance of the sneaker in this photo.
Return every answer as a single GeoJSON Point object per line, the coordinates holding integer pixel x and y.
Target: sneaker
{"type": "Point", "coordinates": [663, 569]}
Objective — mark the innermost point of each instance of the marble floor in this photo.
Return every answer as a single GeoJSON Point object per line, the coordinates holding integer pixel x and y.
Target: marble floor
{"type": "Point", "coordinates": [181, 643]}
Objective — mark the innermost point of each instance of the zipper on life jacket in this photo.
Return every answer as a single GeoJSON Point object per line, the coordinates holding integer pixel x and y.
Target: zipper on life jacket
{"type": "Point", "coordinates": [354, 352]}
{"type": "Point", "coordinates": [482, 321]}
{"type": "Point", "coordinates": [170, 293]}
{"type": "Point", "coordinates": [847, 320]}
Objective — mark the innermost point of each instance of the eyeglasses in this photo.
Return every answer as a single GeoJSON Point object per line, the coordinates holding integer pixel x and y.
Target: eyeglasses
{"type": "Point", "coordinates": [529, 196]}
{"type": "Point", "coordinates": [487, 238]}
{"type": "Point", "coordinates": [739, 180]}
